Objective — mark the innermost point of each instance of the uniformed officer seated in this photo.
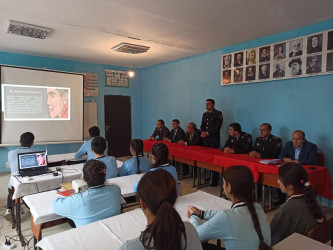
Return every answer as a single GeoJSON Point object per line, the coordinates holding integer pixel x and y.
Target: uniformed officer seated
{"type": "Point", "coordinates": [266, 146]}
{"type": "Point", "coordinates": [238, 142]}
{"type": "Point", "coordinates": [160, 132]}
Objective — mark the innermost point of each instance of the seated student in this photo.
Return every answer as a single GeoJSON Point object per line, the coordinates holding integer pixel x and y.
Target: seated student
{"type": "Point", "coordinates": [138, 164]}
{"type": "Point", "coordinates": [301, 212]}
{"type": "Point", "coordinates": [299, 150]}
{"type": "Point", "coordinates": [160, 154]}
{"type": "Point", "coordinates": [26, 141]}
{"type": "Point", "coordinates": [239, 142]}
{"type": "Point", "coordinates": [157, 194]}
{"type": "Point", "coordinates": [266, 145]}
{"type": "Point", "coordinates": [98, 146]}
{"type": "Point", "coordinates": [176, 134]}
{"type": "Point", "coordinates": [245, 225]}
{"type": "Point", "coordinates": [100, 201]}
{"type": "Point", "coordinates": [86, 146]}
{"type": "Point", "coordinates": [160, 132]}
{"type": "Point", "coordinates": [192, 137]}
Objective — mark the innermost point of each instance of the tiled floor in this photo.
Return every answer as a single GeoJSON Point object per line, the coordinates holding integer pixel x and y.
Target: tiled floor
{"type": "Point", "coordinates": [5, 226]}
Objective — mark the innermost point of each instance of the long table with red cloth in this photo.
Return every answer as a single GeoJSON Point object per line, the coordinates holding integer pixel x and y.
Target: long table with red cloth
{"type": "Point", "coordinates": [318, 176]}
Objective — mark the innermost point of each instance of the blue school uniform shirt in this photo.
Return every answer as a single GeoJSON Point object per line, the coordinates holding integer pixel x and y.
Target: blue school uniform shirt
{"type": "Point", "coordinates": [171, 169]}
{"type": "Point", "coordinates": [96, 203]}
{"type": "Point", "coordinates": [111, 165]}
{"type": "Point", "coordinates": [129, 167]}
{"type": "Point", "coordinates": [13, 159]}
{"type": "Point", "coordinates": [234, 227]}
{"type": "Point", "coordinates": [86, 149]}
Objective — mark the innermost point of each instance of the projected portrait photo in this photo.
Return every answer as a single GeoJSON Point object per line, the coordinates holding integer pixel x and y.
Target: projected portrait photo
{"type": "Point", "coordinates": [264, 71]}
{"type": "Point", "coordinates": [41, 159]}
{"type": "Point", "coordinates": [280, 70]}
{"type": "Point", "coordinates": [315, 43]}
{"type": "Point", "coordinates": [238, 59]}
{"type": "Point", "coordinates": [251, 57]}
{"type": "Point", "coordinates": [227, 61]}
{"type": "Point", "coordinates": [295, 47]}
{"type": "Point", "coordinates": [250, 73]}
{"type": "Point", "coordinates": [264, 54]}
{"type": "Point", "coordinates": [329, 63]}
{"type": "Point", "coordinates": [279, 51]}
{"type": "Point", "coordinates": [330, 40]}
{"type": "Point", "coordinates": [313, 64]}
{"type": "Point", "coordinates": [238, 74]}
{"type": "Point", "coordinates": [226, 76]}
{"type": "Point", "coordinates": [295, 66]}
{"type": "Point", "coordinates": [57, 102]}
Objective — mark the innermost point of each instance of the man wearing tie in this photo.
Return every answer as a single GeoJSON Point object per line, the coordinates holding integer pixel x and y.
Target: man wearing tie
{"type": "Point", "coordinates": [210, 130]}
{"type": "Point", "coordinates": [192, 137]}
{"type": "Point", "coordinates": [176, 134]}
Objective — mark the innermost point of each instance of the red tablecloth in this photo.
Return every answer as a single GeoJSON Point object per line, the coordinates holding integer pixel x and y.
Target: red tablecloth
{"type": "Point", "coordinates": [318, 177]}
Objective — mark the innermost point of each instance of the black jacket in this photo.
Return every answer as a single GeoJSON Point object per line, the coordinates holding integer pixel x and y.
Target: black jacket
{"type": "Point", "coordinates": [268, 148]}
{"type": "Point", "coordinates": [241, 146]}
{"type": "Point", "coordinates": [196, 138]}
{"type": "Point", "coordinates": [179, 135]}
{"type": "Point", "coordinates": [159, 135]}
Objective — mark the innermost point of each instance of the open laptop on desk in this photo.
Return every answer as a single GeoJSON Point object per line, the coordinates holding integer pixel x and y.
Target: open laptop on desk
{"type": "Point", "coordinates": [32, 163]}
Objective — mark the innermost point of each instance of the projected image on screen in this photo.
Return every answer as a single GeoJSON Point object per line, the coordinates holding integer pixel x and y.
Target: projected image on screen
{"type": "Point", "coordinates": [26, 102]}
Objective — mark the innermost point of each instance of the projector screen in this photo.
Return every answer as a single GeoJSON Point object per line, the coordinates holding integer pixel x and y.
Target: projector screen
{"type": "Point", "coordinates": [47, 103]}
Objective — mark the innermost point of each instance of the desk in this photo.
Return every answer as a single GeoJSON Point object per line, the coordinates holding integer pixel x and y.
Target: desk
{"type": "Point", "coordinates": [300, 242]}
{"type": "Point", "coordinates": [112, 232]}
{"type": "Point", "coordinates": [60, 157]}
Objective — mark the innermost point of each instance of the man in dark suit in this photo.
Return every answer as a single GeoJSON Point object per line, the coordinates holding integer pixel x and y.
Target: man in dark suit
{"type": "Point", "coordinates": [266, 146]}
{"type": "Point", "coordinates": [211, 124]}
{"type": "Point", "coordinates": [160, 132]}
{"type": "Point", "coordinates": [192, 137]}
{"type": "Point", "coordinates": [238, 142]}
{"type": "Point", "coordinates": [176, 134]}
{"type": "Point", "coordinates": [299, 150]}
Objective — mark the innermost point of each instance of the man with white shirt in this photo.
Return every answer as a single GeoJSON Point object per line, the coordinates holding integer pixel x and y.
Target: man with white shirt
{"type": "Point", "coordinates": [176, 134]}
{"type": "Point", "coordinates": [192, 137]}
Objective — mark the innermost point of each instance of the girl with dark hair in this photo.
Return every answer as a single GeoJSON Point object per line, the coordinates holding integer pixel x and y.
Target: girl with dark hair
{"type": "Point", "coordinates": [138, 164]}
{"type": "Point", "coordinates": [301, 212]}
{"type": "Point", "coordinates": [245, 225]}
{"type": "Point", "coordinates": [157, 194]}
{"type": "Point", "coordinates": [160, 157]}
{"type": "Point", "coordinates": [98, 202]}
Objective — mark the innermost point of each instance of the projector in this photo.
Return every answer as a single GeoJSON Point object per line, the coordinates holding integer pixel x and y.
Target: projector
{"type": "Point", "coordinates": [79, 185]}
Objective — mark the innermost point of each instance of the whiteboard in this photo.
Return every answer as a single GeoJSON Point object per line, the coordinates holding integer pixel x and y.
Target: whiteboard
{"type": "Point", "coordinates": [90, 117]}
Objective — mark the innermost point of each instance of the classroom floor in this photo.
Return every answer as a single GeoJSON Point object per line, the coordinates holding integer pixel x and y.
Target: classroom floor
{"type": "Point", "coordinates": [6, 230]}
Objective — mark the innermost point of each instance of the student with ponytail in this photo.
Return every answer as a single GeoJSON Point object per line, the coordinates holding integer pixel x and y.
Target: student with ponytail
{"type": "Point", "coordinates": [99, 202]}
{"type": "Point", "coordinates": [160, 154]}
{"type": "Point", "coordinates": [157, 194]}
{"type": "Point", "coordinates": [138, 163]}
{"type": "Point", "coordinates": [245, 225]}
{"type": "Point", "coordinates": [301, 211]}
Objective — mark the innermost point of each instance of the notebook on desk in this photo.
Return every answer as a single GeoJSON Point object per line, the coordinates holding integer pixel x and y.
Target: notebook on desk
{"type": "Point", "coordinates": [32, 163]}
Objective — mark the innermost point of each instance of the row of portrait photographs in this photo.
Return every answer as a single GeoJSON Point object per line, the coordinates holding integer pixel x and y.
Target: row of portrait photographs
{"type": "Point", "coordinates": [279, 51]}
{"type": "Point", "coordinates": [288, 68]}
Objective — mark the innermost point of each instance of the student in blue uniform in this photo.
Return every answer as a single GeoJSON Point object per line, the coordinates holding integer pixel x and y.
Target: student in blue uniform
{"type": "Point", "coordinates": [301, 212]}
{"type": "Point", "coordinates": [99, 202]}
{"type": "Point", "coordinates": [160, 154]}
{"type": "Point", "coordinates": [26, 141]}
{"type": "Point", "coordinates": [245, 225]}
{"type": "Point", "coordinates": [98, 146]}
{"type": "Point", "coordinates": [85, 149]}
{"type": "Point", "coordinates": [138, 164]}
{"type": "Point", "coordinates": [157, 194]}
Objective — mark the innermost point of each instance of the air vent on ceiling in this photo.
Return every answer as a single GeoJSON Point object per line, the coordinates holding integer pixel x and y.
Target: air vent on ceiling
{"type": "Point", "coordinates": [130, 48]}
{"type": "Point", "coordinates": [24, 29]}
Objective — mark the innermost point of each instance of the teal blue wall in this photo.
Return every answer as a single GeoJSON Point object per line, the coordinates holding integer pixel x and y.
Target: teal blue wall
{"type": "Point", "coordinates": [178, 90]}
{"type": "Point", "coordinates": [73, 66]}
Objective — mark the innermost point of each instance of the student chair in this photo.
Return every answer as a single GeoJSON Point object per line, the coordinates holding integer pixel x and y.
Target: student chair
{"type": "Point", "coordinates": [322, 232]}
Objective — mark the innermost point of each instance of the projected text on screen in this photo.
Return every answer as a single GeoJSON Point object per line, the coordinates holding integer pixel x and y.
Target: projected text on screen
{"type": "Point", "coordinates": [32, 103]}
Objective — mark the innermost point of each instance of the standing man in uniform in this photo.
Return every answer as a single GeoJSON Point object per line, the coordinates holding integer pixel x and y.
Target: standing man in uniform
{"type": "Point", "coordinates": [266, 146]}
{"type": "Point", "coordinates": [210, 130]}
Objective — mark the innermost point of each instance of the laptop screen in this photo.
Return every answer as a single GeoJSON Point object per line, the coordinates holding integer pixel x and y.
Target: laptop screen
{"type": "Point", "coordinates": [32, 160]}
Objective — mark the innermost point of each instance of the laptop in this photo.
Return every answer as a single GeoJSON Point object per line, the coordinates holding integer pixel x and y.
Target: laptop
{"type": "Point", "coordinates": [32, 163]}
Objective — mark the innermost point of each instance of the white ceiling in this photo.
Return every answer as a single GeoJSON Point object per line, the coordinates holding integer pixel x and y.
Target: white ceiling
{"type": "Point", "coordinates": [85, 30]}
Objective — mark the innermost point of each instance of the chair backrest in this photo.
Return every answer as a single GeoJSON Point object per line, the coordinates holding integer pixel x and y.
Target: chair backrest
{"type": "Point", "coordinates": [322, 232]}
{"type": "Point", "coordinates": [321, 159]}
